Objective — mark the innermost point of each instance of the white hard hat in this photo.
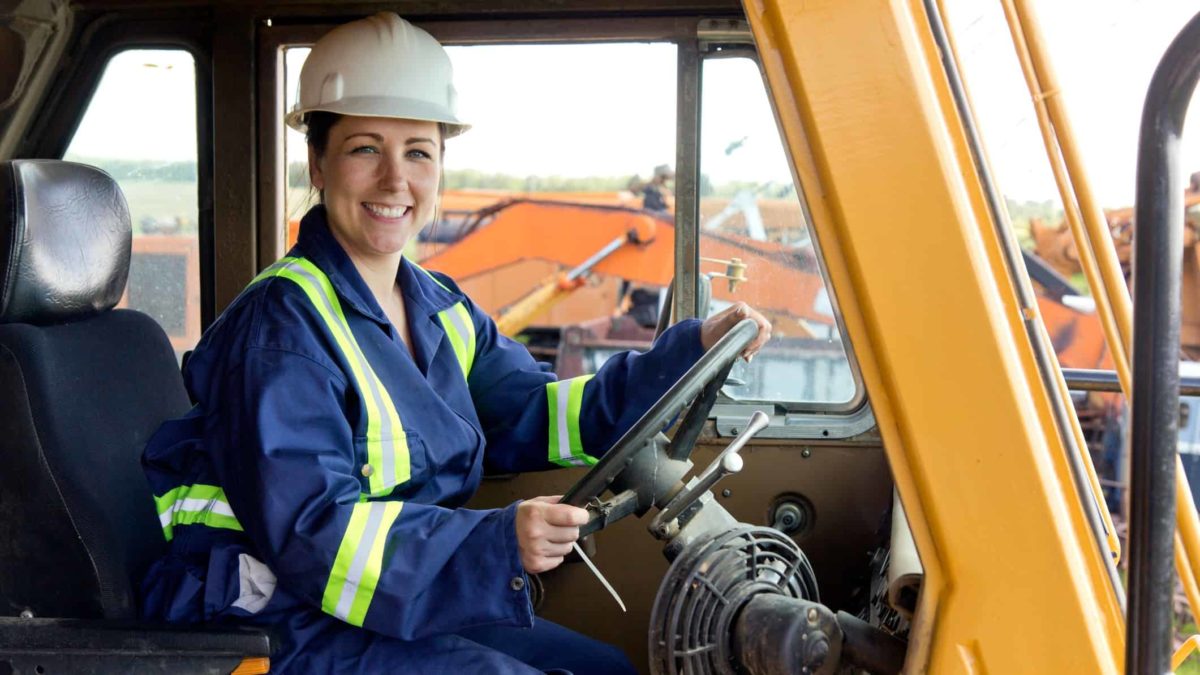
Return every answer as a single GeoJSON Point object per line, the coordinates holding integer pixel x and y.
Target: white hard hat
{"type": "Point", "coordinates": [381, 66]}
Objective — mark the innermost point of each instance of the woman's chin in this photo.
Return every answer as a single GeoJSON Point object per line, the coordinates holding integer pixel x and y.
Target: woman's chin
{"type": "Point", "coordinates": [389, 246]}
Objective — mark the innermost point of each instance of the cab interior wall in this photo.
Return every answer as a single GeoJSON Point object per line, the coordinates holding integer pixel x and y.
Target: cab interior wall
{"type": "Point", "coordinates": [847, 482]}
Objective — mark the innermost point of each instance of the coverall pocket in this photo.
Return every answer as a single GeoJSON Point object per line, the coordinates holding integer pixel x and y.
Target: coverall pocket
{"type": "Point", "coordinates": [391, 462]}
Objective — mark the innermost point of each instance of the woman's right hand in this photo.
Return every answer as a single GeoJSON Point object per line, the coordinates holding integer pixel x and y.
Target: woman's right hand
{"type": "Point", "coordinates": [545, 531]}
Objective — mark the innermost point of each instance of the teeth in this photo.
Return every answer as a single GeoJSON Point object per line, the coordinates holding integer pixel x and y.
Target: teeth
{"type": "Point", "coordinates": [386, 211]}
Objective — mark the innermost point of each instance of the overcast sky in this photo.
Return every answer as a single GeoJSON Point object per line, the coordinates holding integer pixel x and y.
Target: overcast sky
{"type": "Point", "coordinates": [1104, 53]}
{"type": "Point", "coordinates": [609, 110]}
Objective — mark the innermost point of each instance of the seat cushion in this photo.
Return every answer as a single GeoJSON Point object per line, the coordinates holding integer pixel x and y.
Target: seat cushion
{"type": "Point", "coordinates": [77, 520]}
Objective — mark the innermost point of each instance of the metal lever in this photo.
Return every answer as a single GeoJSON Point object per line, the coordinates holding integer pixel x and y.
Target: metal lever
{"type": "Point", "coordinates": [729, 461]}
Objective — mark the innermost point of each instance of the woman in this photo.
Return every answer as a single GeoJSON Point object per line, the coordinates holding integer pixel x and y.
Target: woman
{"type": "Point", "coordinates": [348, 402]}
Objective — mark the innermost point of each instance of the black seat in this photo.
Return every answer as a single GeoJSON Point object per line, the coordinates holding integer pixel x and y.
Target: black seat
{"type": "Point", "coordinates": [82, 387]}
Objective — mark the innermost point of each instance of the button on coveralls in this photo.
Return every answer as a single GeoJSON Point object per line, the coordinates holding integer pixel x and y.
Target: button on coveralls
{"type": "Point", "coordinates": [317, 486]}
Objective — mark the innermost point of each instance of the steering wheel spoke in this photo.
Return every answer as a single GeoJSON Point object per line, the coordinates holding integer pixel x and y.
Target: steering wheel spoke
{"type": "Point", "coordinates": [693, 422]}
{"type": "Point", "coordinates": [643, 469]}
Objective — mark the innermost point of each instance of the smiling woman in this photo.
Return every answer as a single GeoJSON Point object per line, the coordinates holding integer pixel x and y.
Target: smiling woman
{"type": "Point", "coordinates": [378, 394]}
{"type": "Point", "coordinates": [378, 179]}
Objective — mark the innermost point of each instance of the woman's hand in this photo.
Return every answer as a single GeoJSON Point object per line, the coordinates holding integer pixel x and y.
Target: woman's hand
{"type": "Point", "coordinates": [716, 326]}
{"type": "Point", "coordinates": [545, 532]}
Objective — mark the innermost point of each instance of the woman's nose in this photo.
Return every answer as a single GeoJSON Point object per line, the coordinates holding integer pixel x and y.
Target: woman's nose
{"type": "Point", "coordinates": [392, 175]}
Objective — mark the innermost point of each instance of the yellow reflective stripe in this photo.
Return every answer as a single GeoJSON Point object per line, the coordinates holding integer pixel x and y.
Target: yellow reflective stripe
{"type": "Point", "coordinates": [430, 275]}
{"type": "Point", "coordinates": [359, 561]}
{"type": "Point", "coordinates": [460, 330]}
{"type": "Point", "coordinates": [459, 327]}
{"type": "Point", "coordinates": [564, 399]}
{"type": "Point", "coordinates": [461, 310]}
{"type": "Point", "coordinates": [387, 444]}
{"type": "Point", "coordinates": [194, 504]}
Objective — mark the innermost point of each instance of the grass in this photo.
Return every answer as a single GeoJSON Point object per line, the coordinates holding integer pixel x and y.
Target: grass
{"type": "Point", "coordinates": [161, 202]}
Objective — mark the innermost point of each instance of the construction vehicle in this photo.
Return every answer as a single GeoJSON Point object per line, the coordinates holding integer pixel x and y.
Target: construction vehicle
{"type": "Point", "coordinates": [944, 518]}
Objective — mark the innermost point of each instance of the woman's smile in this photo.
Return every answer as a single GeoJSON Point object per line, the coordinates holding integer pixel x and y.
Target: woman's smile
{"type": "Point", "coordinates": [388, 214]}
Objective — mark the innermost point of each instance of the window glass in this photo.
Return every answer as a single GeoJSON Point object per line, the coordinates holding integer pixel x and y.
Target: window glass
{"type": "Point", "coordinates": [563, 139]}
{"type": "Point", "coordinates": [752, 224]}
{"type": "Point", "coordinates": [140, 127]}
{"type": "Point", "coordinates": [1103, 60]}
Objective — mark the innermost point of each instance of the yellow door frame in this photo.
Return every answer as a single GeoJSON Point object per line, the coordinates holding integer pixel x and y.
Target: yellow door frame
{"type": "Point", "coordinates": [1014, 578]}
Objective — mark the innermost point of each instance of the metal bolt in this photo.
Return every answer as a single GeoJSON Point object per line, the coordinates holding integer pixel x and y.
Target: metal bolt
{"type": "Point", "coordinates": [812, 615]}
{"type": "Point", "coordinates": [733, 431]}
{"type": "Point", "coordinates": [806, 453]}
{"type": "Point", "coordinates": [726, 492]}
{"type": "Point", "coordinates": [27, 614]}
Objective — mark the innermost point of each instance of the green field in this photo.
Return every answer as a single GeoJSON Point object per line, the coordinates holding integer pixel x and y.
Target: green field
{"type": "Point", "coordinates": [161, 202]}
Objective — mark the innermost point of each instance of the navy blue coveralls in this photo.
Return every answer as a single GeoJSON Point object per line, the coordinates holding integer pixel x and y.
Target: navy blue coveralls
{"type": "Point", "coordinates": [317, 485]}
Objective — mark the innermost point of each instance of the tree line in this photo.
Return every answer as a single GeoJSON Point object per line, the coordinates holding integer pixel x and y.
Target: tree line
{"type": "Point", "coordinates": [297, 177]}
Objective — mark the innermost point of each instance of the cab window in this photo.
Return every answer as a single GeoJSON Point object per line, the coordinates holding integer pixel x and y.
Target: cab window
{"type": "Point", "coordinates": [752, 225]}
{"type": "Point", "coordinates": [140, 127]}
{"type": "Point", "coordinates": [568, 171]}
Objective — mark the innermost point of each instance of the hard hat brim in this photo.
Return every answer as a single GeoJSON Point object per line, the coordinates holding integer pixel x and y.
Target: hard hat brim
{"type": "Point", "coordinates": [385, 107]}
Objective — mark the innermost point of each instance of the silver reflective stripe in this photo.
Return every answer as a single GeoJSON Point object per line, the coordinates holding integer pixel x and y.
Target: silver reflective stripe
{"type": "Point", "coordinates": [216, 506]}
{"type": "Point", "coordinates": [354, 576]}
{"type": "Point", "coordinates": [563, 395]}
{"type": "Point", "coordinates": [459, 325]}
{"type": "Point", "coordinates": [385, 423]}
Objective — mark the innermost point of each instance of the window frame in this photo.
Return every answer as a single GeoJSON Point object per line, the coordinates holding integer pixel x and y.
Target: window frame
{"type": "Point", "coordinates": [791, 419]}
{"type": "Point", "coordinates": [696, 39]}
{"type": "Point", "coordinates": [69, 98]}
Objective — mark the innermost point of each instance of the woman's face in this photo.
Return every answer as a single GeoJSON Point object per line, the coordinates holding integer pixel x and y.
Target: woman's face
{"type": "Point", "coordinates": [380, 178]}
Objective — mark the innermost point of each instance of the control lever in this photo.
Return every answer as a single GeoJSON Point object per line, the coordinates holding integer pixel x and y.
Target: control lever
{"type": "Point", "coordinates": [727, 462]}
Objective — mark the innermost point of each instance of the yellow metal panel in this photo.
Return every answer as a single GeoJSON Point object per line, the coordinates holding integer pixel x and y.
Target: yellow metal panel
{"type": "Point", "coordinates": [1014, 580]}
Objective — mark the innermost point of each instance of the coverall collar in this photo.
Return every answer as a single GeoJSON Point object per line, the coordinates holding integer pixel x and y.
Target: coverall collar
{"type": "Point", "coordinates": [317, 243]}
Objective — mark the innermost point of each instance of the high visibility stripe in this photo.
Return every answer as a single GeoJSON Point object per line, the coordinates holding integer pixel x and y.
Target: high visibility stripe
{"type": "Point", "coordinates": [387, 444]}
{"type": "Point", "coordinates": [460, 330]}
{"type": "Point", "coordinates": [192, 505]}
{"type": "Point", "coordinates": [359, 560]}
{"type": "Point", "coordinates": [564, 400]}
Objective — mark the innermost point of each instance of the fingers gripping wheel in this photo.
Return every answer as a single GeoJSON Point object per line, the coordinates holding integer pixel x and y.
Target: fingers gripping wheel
{"type": "Point", "coordinates": [691, 625]}
{"type": "Point", "coordinates": [641, 481]}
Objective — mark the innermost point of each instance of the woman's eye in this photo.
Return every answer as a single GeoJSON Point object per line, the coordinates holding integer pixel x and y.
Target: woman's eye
{"type": "Point", "coordinates": [419, 154]}
{"type": "Point", "coordinates": [364, 149]}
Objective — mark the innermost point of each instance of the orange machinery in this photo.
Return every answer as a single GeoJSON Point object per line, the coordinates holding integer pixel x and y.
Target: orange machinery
{"type": "Point", "coordinates": [1054, 244]}
{"type": "Point", "coordinates": [517, 246]}
{"type": "Point", "coordinates": [524, 245]}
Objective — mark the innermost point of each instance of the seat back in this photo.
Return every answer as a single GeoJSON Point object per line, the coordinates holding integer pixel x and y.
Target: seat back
{"type": "Point", "coordinates": [82, 388]}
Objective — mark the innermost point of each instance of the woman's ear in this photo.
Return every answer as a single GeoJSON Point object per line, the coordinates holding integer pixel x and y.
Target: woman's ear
{"type": "Point", "coordinates": [314, 170]}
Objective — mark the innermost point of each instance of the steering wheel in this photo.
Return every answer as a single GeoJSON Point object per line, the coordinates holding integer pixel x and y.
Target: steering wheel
{"type": "Point", "coordinates": [699, 385]}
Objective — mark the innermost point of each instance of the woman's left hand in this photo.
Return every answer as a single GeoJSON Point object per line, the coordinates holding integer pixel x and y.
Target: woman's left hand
{"type": "Point", "coordinates": [716, 326]}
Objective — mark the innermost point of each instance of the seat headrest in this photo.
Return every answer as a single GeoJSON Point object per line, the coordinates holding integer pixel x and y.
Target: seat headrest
{"type": "Point", "coordinates": [64, 241]}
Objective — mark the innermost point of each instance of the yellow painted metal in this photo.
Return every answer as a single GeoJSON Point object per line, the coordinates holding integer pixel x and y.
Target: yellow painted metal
{"type": "Point", "coordinates": [1185, 650]}
{"type": "Point", "coordinates": [1080, 443]}
{"type": "Point", "coordinates": [1014, 580]}
{"type": "Point", "coordinates": [1189, 582]}
{"type": "Point", "coordinates": [1040, 93]}
{"type": "Point", "coordinates": [523, 312]}
{"type": "Point", "coordinates": [1098, 256]}
{"type": "Point", "coordinates": [1112, 280]}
